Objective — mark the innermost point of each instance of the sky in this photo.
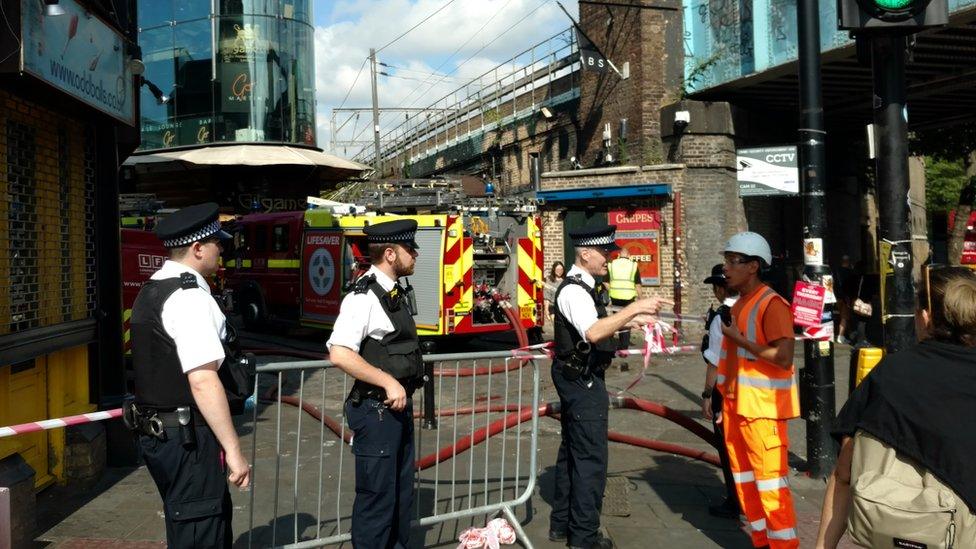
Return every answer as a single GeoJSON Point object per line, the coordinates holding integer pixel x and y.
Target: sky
{"type": "Point", "coordinates": [461, 41]}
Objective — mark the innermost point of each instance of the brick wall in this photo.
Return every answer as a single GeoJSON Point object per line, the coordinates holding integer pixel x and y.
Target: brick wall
{"type": "Point", "coordinates": [637, 34]}
{"type": "Point", "coordinates": [554, 214]}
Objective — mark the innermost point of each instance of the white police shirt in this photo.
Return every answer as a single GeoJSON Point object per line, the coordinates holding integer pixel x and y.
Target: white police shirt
{"type": "Point", "coordinates": [362, 315]}
{"type": "Point", "coordinates": [715, 336]}
{"type": "Point", "coordinates": [576, 304]}
{"type": "Point", "coordinates": [193, 319]}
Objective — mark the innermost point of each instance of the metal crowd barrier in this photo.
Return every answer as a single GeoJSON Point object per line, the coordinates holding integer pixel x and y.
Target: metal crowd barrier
{"type": "Point", "coordinates": [478, 461]}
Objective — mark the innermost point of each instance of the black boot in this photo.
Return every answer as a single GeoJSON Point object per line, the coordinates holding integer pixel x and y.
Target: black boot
{"type": "Point", "coordinates": [727, 509]}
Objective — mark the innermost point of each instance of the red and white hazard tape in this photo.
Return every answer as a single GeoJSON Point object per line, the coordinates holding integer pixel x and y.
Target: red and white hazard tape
{"type": "Point", "coordinates": [57, 423]}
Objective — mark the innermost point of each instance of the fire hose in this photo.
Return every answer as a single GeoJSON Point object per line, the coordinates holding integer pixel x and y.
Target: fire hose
{"type": "Point", "coordinates": [520, 415]}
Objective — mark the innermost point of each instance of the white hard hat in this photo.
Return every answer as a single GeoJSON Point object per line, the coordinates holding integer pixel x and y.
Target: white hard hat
{"type": "Point", "coordinates": [751, 244]}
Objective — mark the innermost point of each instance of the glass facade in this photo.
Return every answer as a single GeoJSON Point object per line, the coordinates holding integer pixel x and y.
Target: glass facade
{"type": "Point", "coordinates": [226, 71]}
{"type": "Point", "coordinates": [727, 39]}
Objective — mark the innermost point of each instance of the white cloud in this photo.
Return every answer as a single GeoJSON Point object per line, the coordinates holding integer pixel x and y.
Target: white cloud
{"type": "Point", "coordinates": [357, 25]}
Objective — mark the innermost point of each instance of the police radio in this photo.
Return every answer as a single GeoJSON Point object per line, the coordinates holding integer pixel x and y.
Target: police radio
{"type": "Point", "coordinates": [725, 313]}
{"type": "Point", "coordinates": [411, 297]}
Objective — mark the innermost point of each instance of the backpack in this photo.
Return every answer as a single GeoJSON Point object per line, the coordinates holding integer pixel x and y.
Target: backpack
{"type": "Point", "coordinates": [897, 503]}
{"type": "Point", "coordinates": [237, 373]}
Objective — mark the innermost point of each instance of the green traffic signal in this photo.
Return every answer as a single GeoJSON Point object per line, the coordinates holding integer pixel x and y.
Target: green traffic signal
{"type": "Point", "coordinates": [893, 4]}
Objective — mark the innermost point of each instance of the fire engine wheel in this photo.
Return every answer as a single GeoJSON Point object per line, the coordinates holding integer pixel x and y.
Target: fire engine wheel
{"type": "Point", "coordinates": [252, 311]}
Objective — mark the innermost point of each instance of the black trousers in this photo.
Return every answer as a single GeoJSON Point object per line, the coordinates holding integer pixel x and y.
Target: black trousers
{"type": "Point", "coordinates": [193, 485]}
{"type": "Point", "coordinates": [624, 337]}
{"type": "Point", "coordinates": [581, 465]}
{"type": "Point", "coordinates": [383, 446]}
{"type": "Point", "coordinates": [723, 454]}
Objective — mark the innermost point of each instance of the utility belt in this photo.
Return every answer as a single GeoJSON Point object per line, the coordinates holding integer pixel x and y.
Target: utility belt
{"type": "Point", "coordinates": [144, 420]}
{"type": "Point", "coordinates": [362, 390]}
{"type": "Point", "coordinates": [584, 361]}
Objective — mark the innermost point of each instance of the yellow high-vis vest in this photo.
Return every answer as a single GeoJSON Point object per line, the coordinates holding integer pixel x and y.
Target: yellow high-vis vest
{"type": "Point", "coordinates": [622, 272]}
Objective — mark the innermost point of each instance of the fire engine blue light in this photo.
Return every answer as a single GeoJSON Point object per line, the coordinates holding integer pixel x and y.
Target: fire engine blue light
{"type": "Point", "coordinates": [625, 191]}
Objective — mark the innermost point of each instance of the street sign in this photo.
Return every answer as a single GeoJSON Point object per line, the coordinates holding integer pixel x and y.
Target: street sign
{"type": "Point", "coordinates": [767, 171]}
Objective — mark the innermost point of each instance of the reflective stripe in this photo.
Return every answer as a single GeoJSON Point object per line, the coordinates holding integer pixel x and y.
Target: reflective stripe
{"type": "Point", "coordinates": [756, 525]}
{"type": "Point", "coordinates": [720, 378]}
{"type": "Point", "coordinates": [766, 485]}
{"type": "Point", "coordinates": [765, 383]}
{"type": "Point", "coordinates": [785, 533]}
{"type": "Point", "coordinates": [751, 324]}
{"type": "Point", "coordinates": [743, 477]}
{"type": "Point", "coordinates": [284, 263]}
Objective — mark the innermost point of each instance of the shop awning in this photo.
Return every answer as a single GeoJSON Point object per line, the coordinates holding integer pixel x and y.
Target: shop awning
{"type": "Point", "coordinates": [604, 193]}
{"type": "Point", "coordinates": [249, 155]}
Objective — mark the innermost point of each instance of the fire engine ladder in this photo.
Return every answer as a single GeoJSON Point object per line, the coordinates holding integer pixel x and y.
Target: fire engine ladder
{"type": "Point", "coordinates": [437, 195]}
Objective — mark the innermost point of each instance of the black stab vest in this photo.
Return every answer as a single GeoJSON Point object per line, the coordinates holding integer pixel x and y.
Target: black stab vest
{"type": "Point", "coordinates": [398, 353]}
{"type": "Point", "coordinates": [159, 379]}
{"type": "Point", "coordinates": [565, 333]}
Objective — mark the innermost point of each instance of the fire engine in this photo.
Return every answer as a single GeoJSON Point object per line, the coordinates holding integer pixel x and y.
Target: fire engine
{"type": "Point", "coordinates": [969, 243]}
{"type": "Point", "coordinates": [143, 254]}
{"type": "Point", "coordinates": [475, 254]}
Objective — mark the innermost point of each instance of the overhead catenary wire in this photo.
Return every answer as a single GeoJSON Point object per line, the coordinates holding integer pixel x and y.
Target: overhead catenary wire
{"type": "Point", "coordinates": [358, 74]}
{"type": "Point", "coordinates": [455, 52]}
{"type": "Point", "coordinates": [472, 56]}
{"type": "Point", "coordinates": [421, 22]}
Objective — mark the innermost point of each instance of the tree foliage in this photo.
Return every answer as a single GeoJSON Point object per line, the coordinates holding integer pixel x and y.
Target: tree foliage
{"type": "Point", "coordinates": [944, 180]}
{"type": "Point", "coordinates": [950, 142]}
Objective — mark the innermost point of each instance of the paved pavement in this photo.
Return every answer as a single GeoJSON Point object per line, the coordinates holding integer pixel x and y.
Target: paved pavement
{"type": "Point", "coordinates": [653, 499]}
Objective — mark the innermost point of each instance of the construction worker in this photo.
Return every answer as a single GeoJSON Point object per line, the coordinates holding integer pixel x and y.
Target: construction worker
{"type": "Point", "coordinates": [375, 341]}
{"type": "Point", "coordinates": [758, 384]}
{"type": "Point", "coordinates": [624, 287]}
{"type": "Point", "coordinates": [583, 348]}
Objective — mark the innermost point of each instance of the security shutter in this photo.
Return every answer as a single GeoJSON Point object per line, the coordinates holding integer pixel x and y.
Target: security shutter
{"type": "Point", "coordinates": [426, 279]}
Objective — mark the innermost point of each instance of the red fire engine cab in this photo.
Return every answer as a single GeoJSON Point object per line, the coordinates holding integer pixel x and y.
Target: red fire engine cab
{"type": "Point", "coordinates": [476, 257]}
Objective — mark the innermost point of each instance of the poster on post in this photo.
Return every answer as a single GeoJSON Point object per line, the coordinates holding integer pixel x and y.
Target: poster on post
{"type": "Point", "coordinates": [808, 304]}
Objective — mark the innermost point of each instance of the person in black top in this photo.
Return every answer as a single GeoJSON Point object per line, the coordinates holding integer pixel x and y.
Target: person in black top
{"type": "Point", "coordinates": [918, 402]}
{"type": "Point", "coordinates": [180, 409]}
{"type": "Point", "coordinates": [584, 344]}
{"type": "Point", "coordinates": [375, 342]}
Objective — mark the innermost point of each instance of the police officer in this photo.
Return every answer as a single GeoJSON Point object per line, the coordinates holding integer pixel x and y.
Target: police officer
{"type": "Point", "coordinates": [180, 409]}
{"type": "Point", "coordinates": [584, 345]}
{"type": "Point", "coordinates": [711, 397]}
{"type": "Point", "coordinates": [375, 341]}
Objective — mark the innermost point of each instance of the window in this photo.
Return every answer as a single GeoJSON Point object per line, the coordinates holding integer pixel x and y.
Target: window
{"type": "Point", "coordinates": [279, 239]}
{"type": "Point", "coordinates": [260, 238]}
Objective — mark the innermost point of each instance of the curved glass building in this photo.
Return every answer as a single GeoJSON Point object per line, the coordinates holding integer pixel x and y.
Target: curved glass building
{"type": "Point", "coordinates": [225, 71]}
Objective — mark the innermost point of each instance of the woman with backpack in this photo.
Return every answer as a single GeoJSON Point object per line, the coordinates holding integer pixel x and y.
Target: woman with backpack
{"type": "Point", "coordinates": [904, 476]}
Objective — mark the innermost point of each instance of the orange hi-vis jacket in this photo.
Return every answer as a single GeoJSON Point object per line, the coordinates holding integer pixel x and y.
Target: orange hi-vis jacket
{"type": "Point", "coordinates": [757, 388]}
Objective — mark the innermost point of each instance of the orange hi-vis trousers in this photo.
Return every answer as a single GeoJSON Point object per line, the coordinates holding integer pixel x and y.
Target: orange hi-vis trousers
{"type": "Point", "coordinates": [757, 450]}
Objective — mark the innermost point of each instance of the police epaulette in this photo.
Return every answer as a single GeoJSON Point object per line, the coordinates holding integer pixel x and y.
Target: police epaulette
{"type": "Point", "coordinates": [362, 285]}
{"type": "Point", "coordinates": [188, 281]}
{"type": "Point", "coordinates": [578, 279]}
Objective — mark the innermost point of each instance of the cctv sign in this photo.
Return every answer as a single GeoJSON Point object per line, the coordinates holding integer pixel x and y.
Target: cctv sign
{"type": "Point", "coordinates": [767, 171]}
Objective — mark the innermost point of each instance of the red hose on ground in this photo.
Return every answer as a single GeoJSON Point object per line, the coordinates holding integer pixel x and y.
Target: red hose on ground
{"type": "Point", "coordinates": [665, 447]}
{"type": "Point", "coordinates": [671, 415]}
{"type": "Point", "coordinates": [515, 417]}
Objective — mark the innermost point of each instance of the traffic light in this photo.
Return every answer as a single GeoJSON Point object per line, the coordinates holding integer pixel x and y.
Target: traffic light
{"type": "Point", "coordinates": [891, 15]}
